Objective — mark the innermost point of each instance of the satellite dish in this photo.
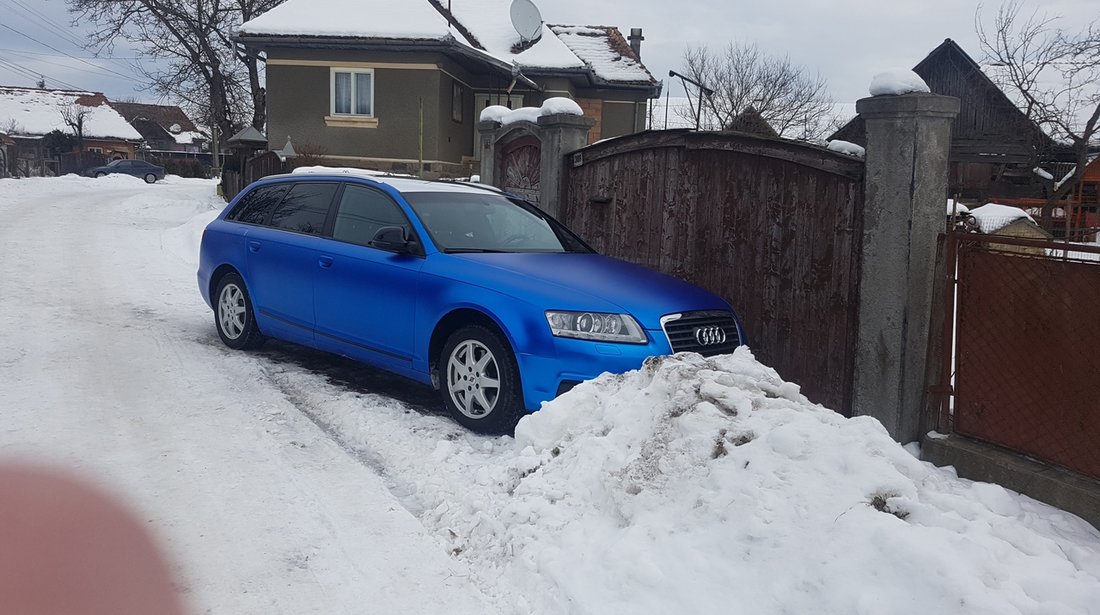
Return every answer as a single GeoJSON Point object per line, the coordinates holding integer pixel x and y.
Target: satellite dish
{"type": "Point", "coordinates": [527, 20]}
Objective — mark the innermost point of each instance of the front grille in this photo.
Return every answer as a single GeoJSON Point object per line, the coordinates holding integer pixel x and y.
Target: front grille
{"type": "Point", "coordinates": [683, 332]}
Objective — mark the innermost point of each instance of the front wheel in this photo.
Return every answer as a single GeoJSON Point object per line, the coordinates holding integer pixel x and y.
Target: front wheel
{"type": "Point", "coordinates": [480, 380]}
{"type": "Point", "coordinates": [150, 178]}
{"type": "Point", "coordinates": [100, 174]}
{"type": "Point", "coordinates": [233, 314]}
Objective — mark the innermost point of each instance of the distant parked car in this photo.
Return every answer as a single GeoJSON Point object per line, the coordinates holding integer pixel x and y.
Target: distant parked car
{"type": "Point", "coordinates": [459, 286]}
{"type": "Point", "coordinates": [138, 168]}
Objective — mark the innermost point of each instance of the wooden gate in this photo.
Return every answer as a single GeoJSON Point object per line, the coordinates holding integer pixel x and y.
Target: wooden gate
{"type": "Point", "coordinates": [772, 226]}
{"type": "Point", "coordinates": [520, 167]}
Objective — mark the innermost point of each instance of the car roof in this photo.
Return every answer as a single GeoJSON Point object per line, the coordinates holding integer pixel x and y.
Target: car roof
{"type": "Point", "coordinates": [401, 183]}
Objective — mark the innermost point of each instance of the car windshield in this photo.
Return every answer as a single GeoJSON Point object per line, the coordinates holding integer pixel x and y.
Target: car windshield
{"type": "Point", "coordinates": [490, 222]}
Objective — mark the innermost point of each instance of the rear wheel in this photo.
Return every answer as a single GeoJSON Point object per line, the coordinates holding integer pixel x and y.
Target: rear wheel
{"type": "Point", "coordinates": [480, 380]}
{"type": "Point", "coordinates": [150, 178]}
{"type": "Point", "coordinates": [233, 314]}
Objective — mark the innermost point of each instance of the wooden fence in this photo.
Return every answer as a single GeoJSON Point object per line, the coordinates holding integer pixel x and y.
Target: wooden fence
{"type": "Point", "coordinates": [256, 167]}
{"type": "Point", "coordinates": [772, 226]}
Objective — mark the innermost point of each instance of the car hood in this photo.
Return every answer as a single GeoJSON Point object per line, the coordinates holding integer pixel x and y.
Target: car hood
{"type": "Point", "coordinates": [585, 281]}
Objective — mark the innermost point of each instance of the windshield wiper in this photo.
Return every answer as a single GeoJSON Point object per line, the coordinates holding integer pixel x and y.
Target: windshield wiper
{"type": "Point", "coordinates": [472, 251]}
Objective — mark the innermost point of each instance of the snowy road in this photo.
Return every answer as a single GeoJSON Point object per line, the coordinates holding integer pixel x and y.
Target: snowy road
{"type": "Point", "coordinates": [288, 481]}
{"type": "Point", "coordinates": [110, 366]}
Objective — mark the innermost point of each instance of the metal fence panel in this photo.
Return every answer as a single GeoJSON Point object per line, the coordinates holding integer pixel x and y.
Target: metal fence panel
{"type": "Point", "coordinates": [1028, 350]}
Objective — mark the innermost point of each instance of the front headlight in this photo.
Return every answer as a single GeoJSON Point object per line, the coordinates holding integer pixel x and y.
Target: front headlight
{"type": "Point", "coordinates": [596, 326]}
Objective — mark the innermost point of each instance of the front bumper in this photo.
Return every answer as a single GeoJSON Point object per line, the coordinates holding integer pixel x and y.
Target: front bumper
{"type": "Point", "coordinates": [573, 360]}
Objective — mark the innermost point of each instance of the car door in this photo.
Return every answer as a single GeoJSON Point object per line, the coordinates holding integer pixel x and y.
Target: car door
{"type": "Point", "coordinates": [283, 259]}
{"type": "Point", "coordinates": [365, 297]}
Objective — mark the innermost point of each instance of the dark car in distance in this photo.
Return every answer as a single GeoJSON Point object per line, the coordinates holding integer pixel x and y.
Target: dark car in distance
{"type": "Point", "coordinates": [138, 168]}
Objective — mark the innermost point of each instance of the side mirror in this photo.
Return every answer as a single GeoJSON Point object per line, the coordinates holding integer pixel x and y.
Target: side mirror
{"type": "Point", "coordinates": [392, 238]}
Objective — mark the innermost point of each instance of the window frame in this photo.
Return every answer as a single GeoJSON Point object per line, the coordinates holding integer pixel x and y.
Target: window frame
{"type": "Point", "coordinates": [410, 228]}
{"type": "Point", "coordinates": [354, 72]}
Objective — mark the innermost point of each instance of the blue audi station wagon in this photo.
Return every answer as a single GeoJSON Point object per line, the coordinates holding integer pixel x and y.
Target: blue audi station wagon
{"type": "Point", "coordinates": [459, 286]}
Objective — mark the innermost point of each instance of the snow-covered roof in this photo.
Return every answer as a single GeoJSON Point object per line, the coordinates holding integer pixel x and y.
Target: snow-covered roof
{"type": "Point", "coordinates": [415, 19]}
{"type": "Point", "coordinates": [605, 50]}
{"type": "Point", "coordinates": [483, 25]}
{"type": "Point", "coordinates": [35, 112]}
{"type": "Point", "coordinates": [992, 217]}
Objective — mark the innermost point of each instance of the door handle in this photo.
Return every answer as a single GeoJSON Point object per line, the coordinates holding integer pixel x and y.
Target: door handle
{"type": "Point", "coordinates": [253, 246]}
{"type": "Point", "coordinates": [324, 261]}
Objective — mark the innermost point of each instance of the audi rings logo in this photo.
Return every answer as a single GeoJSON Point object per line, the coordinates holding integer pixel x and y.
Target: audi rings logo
{"type": "Point", "coordinates": [709, 336]}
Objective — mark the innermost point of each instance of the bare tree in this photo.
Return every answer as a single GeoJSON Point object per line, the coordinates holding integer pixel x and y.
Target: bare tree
{"type": "Point", "coordinates": [794, 103]}
{"type": "Point", "coordinates": [74, 117]}
{"type": "Point", "coordinates": [1055, 76]}
{"type": "Point", "coordinates": [203, 67]}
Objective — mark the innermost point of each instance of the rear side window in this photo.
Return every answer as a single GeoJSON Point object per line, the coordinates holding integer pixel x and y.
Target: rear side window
{"type": "Point", "coordinates": [362, 212]}
{"type": "Point", "coordinates": [254, 206]}
{"type": "Point", "coordinates": [305, 208]}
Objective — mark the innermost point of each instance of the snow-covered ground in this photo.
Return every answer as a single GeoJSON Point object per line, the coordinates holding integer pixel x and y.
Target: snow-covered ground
{"type": "Point", "coordinates": [284, 481]}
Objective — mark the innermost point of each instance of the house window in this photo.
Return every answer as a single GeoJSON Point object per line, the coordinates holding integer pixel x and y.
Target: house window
{"type": "Point", "coordinates": [95, 150]}
{"type": "Point", "coordinates": [353, 92]}
{"type": "Point", "coordinates": [456, 101]}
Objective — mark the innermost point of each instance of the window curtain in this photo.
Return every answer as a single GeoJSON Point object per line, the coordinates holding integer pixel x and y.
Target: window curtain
{"type": "Point", "coordinates": [342, 95]}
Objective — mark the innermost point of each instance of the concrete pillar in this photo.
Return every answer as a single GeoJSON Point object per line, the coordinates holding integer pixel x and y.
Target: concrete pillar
{"type": "Point", "coordinates": [486, 144]}
{"type": "Point", "coordinates": [560, 135]}
{"type": "Point", "coordinates": [908, 143]}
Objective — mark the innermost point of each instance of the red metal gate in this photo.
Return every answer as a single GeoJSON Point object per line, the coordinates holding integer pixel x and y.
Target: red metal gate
{"type": "Point", "coordinates": [1027, 353]}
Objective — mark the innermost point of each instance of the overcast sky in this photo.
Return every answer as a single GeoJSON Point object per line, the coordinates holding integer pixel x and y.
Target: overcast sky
{"type": "Point", "coordinates": [846, 41]}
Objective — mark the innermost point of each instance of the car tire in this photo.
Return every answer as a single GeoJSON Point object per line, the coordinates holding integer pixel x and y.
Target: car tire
{"type": "Point", "coordinates": [150, 178]}
{"type": "Point", "coordinates": [100, 174]}
{"type": "Point", "coordinates": [479, 380]}
{"type": "Point", "coordinates": [233, 315]}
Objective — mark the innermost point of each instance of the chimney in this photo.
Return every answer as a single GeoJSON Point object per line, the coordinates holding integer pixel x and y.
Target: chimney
{"type": "Point", "coordinates": [636, 39]}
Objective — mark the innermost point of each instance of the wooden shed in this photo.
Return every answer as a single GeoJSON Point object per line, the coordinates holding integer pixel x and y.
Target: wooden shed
{"type": "Point", "coordinates": [994, 145]}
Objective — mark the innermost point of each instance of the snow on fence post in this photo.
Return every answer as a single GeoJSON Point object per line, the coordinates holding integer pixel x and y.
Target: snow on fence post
{"type": "Point", "coordinates": [908, 144]}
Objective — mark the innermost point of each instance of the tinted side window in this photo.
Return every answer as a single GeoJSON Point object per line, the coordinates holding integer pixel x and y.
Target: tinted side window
{"type": "Point", "coordinates": [362, 212]}
{"type": "Point", "coordinates": [305, 208]}
{"type": "Point", "coordinates": [254, 206]}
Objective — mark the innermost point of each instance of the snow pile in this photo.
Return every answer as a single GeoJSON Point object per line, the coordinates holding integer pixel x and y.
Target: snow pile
{"type": "Point", "coordinates": [694, 484]}
{"type": "Point", "coordinates": [558, 105]}
{"type": "Point", "coordinates": [897, 81]}
{"type": "Point", "coordinates": [992, 217]}
{"type": "Point", "coordinates": [844, 147]}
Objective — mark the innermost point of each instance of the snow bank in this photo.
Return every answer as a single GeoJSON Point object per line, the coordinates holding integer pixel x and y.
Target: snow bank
{"type": "Point", "coordinates": [897, 81]}
{"type": "Point", "coordinates": [694, 484]}
{"type": "Point", "coordinates": [551, 106]}
{"type": "Point", "coordinates": [992, 216]}
{"type": "Point", "coordinates": [844, 147]}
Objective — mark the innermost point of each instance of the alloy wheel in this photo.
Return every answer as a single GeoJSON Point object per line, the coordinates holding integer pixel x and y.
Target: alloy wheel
{"type": "Point", "coordinates": [473, 379]}
{"type": "Point", "coordinates": [232, 311]}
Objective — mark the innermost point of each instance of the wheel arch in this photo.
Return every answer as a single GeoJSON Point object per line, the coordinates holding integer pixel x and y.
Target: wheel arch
{"type": "Point", "coordinates": [219, 273]}
{"type": "Point", "coordinates": [453, 321]}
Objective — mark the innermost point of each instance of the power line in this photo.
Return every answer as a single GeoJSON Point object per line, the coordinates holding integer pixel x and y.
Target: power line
{"type": "Point", "coordinates": [58, 55]}
{"type": "Point", "coordinates": [46, 21]}
{"type": "Point", "coordinates": [35, 75]}
{"type": "Point", "coordinates": [5, 26]}
{"type": "Point", "coordinates": [101, 70]}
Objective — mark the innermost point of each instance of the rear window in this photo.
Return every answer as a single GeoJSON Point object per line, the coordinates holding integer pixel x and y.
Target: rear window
{"type": "Point", "coordinates": [305, 208]}
{"type": "Point", "coordinates": [254, 206]}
